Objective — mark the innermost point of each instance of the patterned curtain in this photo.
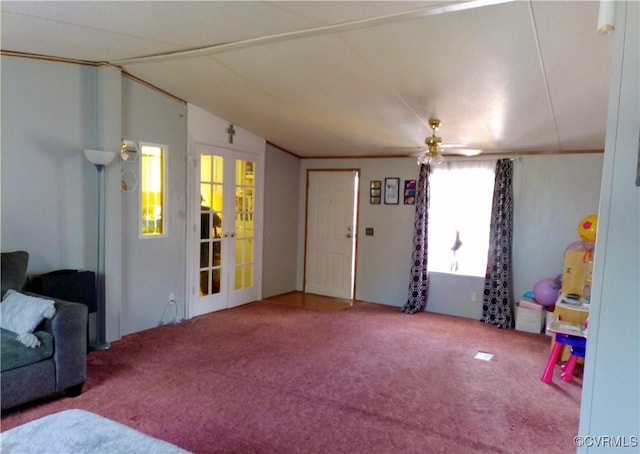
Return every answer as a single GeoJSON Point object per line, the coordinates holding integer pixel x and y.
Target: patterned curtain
{"type": "Point", "coordinates": [418, 286]}
{"type": "Point", "coordinates": [497, 300]}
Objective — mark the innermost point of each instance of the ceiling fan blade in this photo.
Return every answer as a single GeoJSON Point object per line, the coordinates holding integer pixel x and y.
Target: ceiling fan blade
{"type": "Point", "coordinates": [404, 149]}
{"type": "Point", "coordinates": [461, 151]}
{"type": "Point", "coordinates": [436, 148]}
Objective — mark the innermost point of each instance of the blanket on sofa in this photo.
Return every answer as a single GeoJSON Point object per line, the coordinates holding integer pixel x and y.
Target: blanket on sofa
{"type": "Point", "coordinates": [78, 432]}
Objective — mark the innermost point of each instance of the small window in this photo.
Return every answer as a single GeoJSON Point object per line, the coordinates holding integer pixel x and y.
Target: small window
{"type": "Point", "coordinates": [461, 195]}
{"type": "Point", "coordinates": [153, 190]}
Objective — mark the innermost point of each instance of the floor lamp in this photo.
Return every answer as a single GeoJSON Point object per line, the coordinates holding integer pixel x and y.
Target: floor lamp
{"type": "Point", "coordinates": [100, 159]}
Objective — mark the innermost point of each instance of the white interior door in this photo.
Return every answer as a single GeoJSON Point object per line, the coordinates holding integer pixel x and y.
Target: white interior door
{"type": "Point", "coordinates": [224, 253]}
{"type": "Point", "coordinates": [331, 233]}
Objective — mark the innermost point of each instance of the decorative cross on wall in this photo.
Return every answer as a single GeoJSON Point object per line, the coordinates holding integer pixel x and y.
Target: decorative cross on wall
{"type": "Point", "coordinates": [232, 132]}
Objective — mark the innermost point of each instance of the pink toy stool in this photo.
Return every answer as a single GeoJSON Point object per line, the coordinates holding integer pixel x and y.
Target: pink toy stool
{"type": "Point", "coordinates": [578, 345]}
{"type": "Point", "coordinates": [569, 368]}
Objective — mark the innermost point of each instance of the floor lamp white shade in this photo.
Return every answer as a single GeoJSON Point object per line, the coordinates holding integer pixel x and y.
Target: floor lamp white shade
{"type": "Point", "coordinates": [100, 159]}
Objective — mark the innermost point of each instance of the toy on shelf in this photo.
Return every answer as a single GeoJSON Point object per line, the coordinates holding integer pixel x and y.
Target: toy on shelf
{"type": "Point", "coordinates": [587, 231]}
{"type": "Point", "coordinates": [572, 299]}
{"type": "Point", "coordinates": [578, 264]}
{"type": "Point", "coordinates": [569, 328]}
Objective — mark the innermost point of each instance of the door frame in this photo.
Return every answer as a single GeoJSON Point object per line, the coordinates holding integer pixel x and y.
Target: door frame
{"type": "Point", "coordinates": [193, 216]}
{"type": "Point", "coordinates": [356, 208]}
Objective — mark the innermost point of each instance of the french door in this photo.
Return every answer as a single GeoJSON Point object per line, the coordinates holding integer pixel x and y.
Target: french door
{"type": "Point", "coordinates": [224, 250]}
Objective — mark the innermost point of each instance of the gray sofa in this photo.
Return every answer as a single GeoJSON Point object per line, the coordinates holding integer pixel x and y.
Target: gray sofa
{"type": "Point", "coordinates": [59, 364]}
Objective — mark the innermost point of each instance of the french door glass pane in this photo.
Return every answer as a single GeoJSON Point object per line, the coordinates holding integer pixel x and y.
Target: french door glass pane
{"type": "Point", "coordinates": [211, 215]}
{"type": "Point", "coordinates": [245, 187]}
{"type": "Point", "coordinates": [243, 276]}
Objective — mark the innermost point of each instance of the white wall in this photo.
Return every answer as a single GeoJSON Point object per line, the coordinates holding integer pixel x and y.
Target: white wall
{"type": "Point", "coordinates": [206, 128]}
{"type": "Point", "coordinates": [282, 180]}
{"type": "Point", "coordinates": [611, 387]}
{"type": "Point", "coordinates": [152, 268]}
{"type": "Point", "coordinates": [49, 189]}
{"type": "Point", "coordinates": [211, 129]}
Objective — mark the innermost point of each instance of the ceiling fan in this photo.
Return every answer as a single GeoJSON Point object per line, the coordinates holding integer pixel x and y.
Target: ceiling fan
{"type": "Point", "coordinates": [433, 153]}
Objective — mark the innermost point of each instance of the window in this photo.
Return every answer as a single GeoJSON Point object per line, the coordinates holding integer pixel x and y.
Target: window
{"type": "Point", "coordinates": [152, 190]}
{"type": "Point", "coordinates": [461, 195]}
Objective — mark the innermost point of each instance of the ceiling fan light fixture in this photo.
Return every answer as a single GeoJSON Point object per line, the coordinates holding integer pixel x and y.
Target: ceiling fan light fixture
{"type": "Point", "coordinates": [432, 154]}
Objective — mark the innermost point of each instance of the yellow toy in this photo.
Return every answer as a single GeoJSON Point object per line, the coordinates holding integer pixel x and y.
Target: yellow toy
{"type": "Point", "coordinates": [587, 231]}
{"type": "Point", "coordinates": [587, 228]}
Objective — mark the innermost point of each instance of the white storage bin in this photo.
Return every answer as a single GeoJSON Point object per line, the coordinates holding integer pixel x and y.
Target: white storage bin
{"type": "Point", "coordinates": [530, 317]}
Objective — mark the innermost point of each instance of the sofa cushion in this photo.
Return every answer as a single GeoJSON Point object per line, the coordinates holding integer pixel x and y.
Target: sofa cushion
{"type": "Point", "coordinates": [23, 313]}
{"type": "Point", "coordinates": [14, 270]}
{"type": "Point", "coordinates": [14, 354]}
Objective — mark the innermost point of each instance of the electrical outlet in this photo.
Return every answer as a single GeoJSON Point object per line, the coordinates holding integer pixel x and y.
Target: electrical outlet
{"type": "Point", "coordinates": [368, 231]}
{"type": "Point", "coordinates": [474, 296]}
{"type": "Point", "coordinates": [172, 298]}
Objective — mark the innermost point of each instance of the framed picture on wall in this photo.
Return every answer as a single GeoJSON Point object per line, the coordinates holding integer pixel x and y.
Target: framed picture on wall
{"type": "Point", "coordinates": [391, 191]}
{"type": "Point", "coordinates": [409, 192]}
{"type": "Point", "coordinates": [375, 192]}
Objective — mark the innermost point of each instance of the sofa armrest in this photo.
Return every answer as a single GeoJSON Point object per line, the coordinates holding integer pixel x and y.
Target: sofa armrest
{"type": "Point", "coordinates": [69, 330]}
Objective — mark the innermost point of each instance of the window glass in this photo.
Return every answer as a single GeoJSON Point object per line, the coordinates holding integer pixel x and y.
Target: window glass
{"type": "Point", "coordinates": [152, 190]}
{"type": "Point", "coordinates": [461, 195]}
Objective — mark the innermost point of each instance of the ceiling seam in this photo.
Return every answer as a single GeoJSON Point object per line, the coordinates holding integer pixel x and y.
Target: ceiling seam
{"type": "Point", "coordinates": [544, 72]}
{"type": "Point", "coordinates": [411, 120]}
{"type": "Point", "coordinates": [98, 29]}
{"type": "Point", "coordinates": [13, 53]}
{"type": "Point", "coordinates": [278, 100]}
{"type": "Point", "coordinates": [385, 83]}
{"type": "Point", "coordinates": [480, 157]}
{"type": "Point", "coordinates": [124, 72]}
{"type": "Point", "coordinates": [315, 31]}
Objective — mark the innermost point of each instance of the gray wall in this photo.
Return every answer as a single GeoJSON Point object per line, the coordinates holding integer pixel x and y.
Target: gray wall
{"type": "Point", "coordinates": [152, 268]}
{"type": "Point", "coordinates": [51, 111]}
{"type": "Point", "coordinates": [280, 222]}
{"type": "Point", "coordinates": [611, 391]}
{"type": "Point", "coordinates": [49, 193]}
{"type": "Point", "coordinates": [49, 189]}
{"type": "Point", "coordinates": [382, 259]}
{"type": "Point", "coordinates": [551, 195]}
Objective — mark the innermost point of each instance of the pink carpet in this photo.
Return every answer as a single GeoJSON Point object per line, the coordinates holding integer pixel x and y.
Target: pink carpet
{"type": "Point", "coordinates": [267, 377]}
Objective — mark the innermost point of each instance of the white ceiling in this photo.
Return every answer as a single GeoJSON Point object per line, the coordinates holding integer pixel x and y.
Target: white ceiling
{"type": "Point", "coordinates": [352, 78]}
